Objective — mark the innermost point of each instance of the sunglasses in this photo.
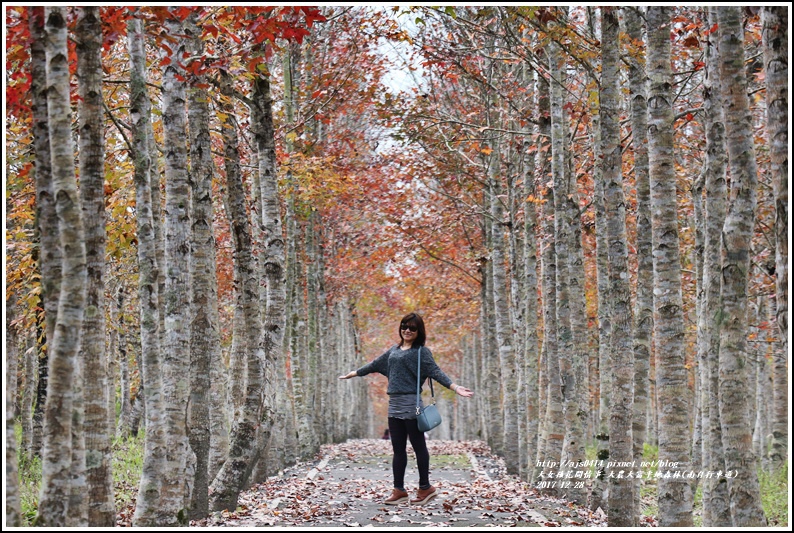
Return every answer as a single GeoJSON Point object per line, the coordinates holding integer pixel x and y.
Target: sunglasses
{"type": "Point", "coordinates": [404, 327]}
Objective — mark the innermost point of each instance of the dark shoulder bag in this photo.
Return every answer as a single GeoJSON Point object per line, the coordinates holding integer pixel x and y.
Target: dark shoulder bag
{"type": "Point", "coordinates": [426, 418]}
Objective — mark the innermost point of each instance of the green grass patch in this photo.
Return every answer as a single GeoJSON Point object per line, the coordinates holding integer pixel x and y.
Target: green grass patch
{"type": "Point", "coordinates": [648, 499]}
{"type": "Point", "coordinates": [29, 468]}
{"type": "Point", "coordinates": [774, 496]}
{"type": "Point", "coordinates": [127, 468]}
{"type": "Point", "coordinates": [374, 459]}
{"type": "Point", "coordinates": [450, 461]}
{"type": "Point", "coordinates": [650, 454]}
{"type": "Point", "coordinates": [774, 493]}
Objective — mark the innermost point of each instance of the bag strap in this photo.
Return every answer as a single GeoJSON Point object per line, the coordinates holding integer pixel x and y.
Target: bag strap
{"type": "Point", "coordinates": [418, 382]}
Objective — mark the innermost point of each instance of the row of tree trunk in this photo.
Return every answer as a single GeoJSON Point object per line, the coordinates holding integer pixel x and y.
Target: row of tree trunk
{"type": "Point", "coordinates": [644, 393]}
{"type": "Point", "coordinates": [214, 422]}
{"type": "Point", "coordinates": [220, 415]}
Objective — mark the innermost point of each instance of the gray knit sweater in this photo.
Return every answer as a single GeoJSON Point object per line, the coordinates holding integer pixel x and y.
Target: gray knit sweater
{"type": "Point", "coordinates": [399, 366]}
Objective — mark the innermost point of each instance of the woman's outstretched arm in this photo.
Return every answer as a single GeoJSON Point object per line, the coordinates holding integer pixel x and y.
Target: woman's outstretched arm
{"type": "Point", "coordinates": [461, 390]}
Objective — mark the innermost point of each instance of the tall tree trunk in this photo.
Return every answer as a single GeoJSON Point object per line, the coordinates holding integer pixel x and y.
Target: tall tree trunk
{"type": "Point", "coordinates": [123, 428]}
{"type": "Point", "coordinates": [516, 305]}
{"type": "Point", "coordinates": [148, 280]}
{"type": "Point", "coordinates": [300, 357]}
{"type": "Point", "coordinates": [26, 403]}
{"type": "Point", "coordinates": [550, 443]}
{"type": "Point", "coordinates": [675, 494]}
{"type": "Point", "coordinates": [56, 451]}
{"type": "Point", "coordinates": [696, 190]}
{"type": "Point", "coordinates": [504, 326]}
{"type": "Point", "coordinates": [716, 512]}
{"type": "Point", "coordinates": [91, 157]}
{"type": "Point", "coordinates": [156, 193]}
{"type": "Point", "coordinates": [761, 380]}
{"type": "Point", "coordinates": [580, 356]}
{"type": "Point", "coordinates": [490, 351]}
{"type": "Point", "coordinates": [271, 458]}
{"type": "Point", "coordinates": [293, 356]}
{"type": "Point", "coordinates": [579, 319]}
{"type": "Point", "coordinates": [486, 400]}
{"type": "Point", "coordinates": [298, 431]}
{"type": "Point", "coordinates": [553, 425]}
{"type": "Point", "coordinates": [78, 502]}
{"type": "Point", "coordinates": [42, 367]}
{"type": "Point", "coordinates": [621, 497]}
{"type": "Point", "coordinates": [643, 303]}
{"type": "Point", "coordinates": [220, 414]}
{"type": "Point", "coordinates": [237, 355]}
{"type": "Point", "coordinates": [221, 406]}
{"type": "Point", "coordinates": [515, 255]}
{"type": "Point", "coordinates": [573, 443]}
{"type": "Point", "coordinates": [314, 334]}
{"type": "Point", "coordinates": [351, 351]}
{"type": "Point", "coordinates": [652, 413]}
{"type": "Point", "coordinates": [530, 303]}
{"type": "Point", "coordinates": [204, 337]}
{"type": "Point", "coordinates": [176, 298]}
{"type": "Point", "coordinates": [50, 255]}
{"type": "Point", "coordinates": [112, 369]}
{"type": "Point", "coordinates": [243, 451]}
{"type": "Point", "coordinates": [599, 492]}
{"type": "Point", "coordinates": [99, 477]}
{"type": "Point", "coordinates": [775, 41]}
{"type": "Point", "coordinates": [138, 411]}
{"type": "Point", "coordinates": [272, 261]}
{"type": "Point", "coordinates": [737, 233]}
{"type": "Point", "coordinates": [474, 410]}
{"type": "Point", "coordinates": [318, 327]}
{"type": "Point", "coordinates": [13, 517]}
{"type": "Point", "coordinates": [322, 371]}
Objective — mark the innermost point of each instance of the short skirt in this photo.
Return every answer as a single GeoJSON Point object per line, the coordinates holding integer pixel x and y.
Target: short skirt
{"type": "Point", "coordinates": [403, 406]}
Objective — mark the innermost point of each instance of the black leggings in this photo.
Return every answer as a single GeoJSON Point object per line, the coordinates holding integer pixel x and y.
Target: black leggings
{"type": "Point", "coordinates": [400, 431]}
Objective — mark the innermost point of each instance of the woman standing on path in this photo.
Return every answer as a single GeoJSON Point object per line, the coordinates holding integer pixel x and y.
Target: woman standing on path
{"type": "Point", "coordinates": [399, 365]}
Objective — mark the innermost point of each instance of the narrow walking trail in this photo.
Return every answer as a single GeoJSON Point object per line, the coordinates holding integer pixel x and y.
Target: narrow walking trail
{"type": "Point", "coordinates": [346, 485]}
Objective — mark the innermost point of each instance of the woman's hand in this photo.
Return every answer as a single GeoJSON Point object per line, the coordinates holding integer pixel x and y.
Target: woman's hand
{"type": "Point", "coordinates": [348, 375]}
{"type": "Point", "coordinates": [463, 391]}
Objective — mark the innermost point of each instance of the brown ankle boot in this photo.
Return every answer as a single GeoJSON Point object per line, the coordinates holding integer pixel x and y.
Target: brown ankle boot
{"type": "Point", "coordinates": [397, 496]}
{"type": "Point", "coordinates": [424, 495]}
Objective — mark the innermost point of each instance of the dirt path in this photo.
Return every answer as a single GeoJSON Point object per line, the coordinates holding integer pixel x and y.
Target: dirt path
{"type": "Point", "coordinates": [346, 485]}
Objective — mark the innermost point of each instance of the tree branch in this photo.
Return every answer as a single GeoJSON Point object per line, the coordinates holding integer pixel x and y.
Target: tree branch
{"type": "Point", "coordinates": [118, 126]}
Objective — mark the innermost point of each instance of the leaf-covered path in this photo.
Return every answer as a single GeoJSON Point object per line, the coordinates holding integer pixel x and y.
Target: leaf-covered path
{"type": "Point", "coordinates": [346, 484]}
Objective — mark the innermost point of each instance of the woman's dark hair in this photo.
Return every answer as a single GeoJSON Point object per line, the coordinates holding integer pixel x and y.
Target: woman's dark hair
{"type": "Point", "coordinates": [413, 319]}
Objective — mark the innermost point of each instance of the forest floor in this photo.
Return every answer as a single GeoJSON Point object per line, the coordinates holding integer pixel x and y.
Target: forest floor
{"type": "Point", "coordinates": [346, 485]}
